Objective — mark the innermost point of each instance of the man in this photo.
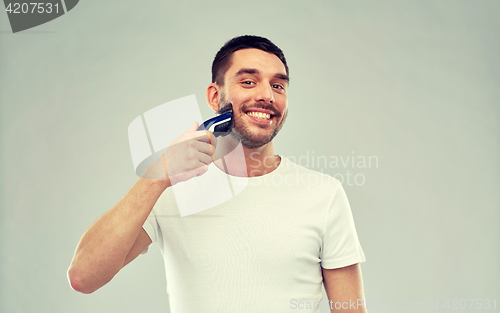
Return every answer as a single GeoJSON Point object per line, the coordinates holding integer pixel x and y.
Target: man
{"type": "Point", "coordinates": [269, 248]}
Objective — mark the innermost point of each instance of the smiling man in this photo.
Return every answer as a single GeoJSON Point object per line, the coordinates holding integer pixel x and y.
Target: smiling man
{"type": "Point", "coordinates": [267, 249]}
{"type": "Point", "coordinates": [254, 82]}
{"type": "Point", "coordinates": [267, 76]}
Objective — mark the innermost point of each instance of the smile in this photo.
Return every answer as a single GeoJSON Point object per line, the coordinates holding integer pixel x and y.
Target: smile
{"type": "Point", "coordinates": [259, 115]}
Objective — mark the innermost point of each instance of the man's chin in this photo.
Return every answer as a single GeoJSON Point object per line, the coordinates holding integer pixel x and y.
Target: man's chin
{"type": "Point", "coordinates": [252, 141]}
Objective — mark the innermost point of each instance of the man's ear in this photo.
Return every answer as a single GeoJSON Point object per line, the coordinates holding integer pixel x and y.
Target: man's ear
{"type": "Point", "coordinates": [212, 95]}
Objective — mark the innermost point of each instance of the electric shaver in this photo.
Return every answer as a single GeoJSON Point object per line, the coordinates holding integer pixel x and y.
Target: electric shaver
{"type": "Point", "coordinates": [220, 125]}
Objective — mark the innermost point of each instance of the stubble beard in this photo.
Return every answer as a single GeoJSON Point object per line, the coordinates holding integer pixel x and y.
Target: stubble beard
{"type": "Point", "coordinates": [242, 132]}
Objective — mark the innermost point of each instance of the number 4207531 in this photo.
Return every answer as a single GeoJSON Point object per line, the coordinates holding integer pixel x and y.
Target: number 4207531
{"type": "Point", "coordinates": [32, 8]}
{"type": "Point", "coordinates": [455, 304]}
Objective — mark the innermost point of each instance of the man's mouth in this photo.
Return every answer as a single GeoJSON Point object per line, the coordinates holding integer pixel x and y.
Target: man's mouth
{"type": "Point", "coordinates": [259, 115]}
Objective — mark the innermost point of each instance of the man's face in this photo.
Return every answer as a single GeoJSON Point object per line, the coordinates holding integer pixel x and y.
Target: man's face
{"type": "Point", "coordinates": [256, 84]}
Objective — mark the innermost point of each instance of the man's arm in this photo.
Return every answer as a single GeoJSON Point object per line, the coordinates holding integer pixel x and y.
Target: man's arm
{"type": "Point", "coordinates": [117, 237]}
{"type": "Point", "coordinates": [344, 288]}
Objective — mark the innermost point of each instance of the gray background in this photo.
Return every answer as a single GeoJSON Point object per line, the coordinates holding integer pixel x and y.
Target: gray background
{"type": "Point", "coordinates": [415, 83]}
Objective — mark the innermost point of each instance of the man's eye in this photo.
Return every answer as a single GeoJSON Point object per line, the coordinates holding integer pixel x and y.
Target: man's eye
{"type": "Point", "coordinates": [277, 86]}
{"type": "Point", "coordinates": [247, 82]}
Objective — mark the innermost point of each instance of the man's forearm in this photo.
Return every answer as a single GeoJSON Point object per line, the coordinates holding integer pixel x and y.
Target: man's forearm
{"type": "Point", "coordinates": [102, 250]}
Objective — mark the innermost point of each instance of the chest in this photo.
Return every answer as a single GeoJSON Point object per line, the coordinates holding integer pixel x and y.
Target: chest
{"type": "Point", "coordinates": [247, 232]}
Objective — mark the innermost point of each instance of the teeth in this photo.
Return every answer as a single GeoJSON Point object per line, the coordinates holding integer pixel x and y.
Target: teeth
{"type": "Point", "coordinates": [260, 115]}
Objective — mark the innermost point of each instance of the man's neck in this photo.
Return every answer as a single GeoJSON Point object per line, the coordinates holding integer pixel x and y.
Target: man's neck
{"type": "Point", "coordinates": [242, 161]}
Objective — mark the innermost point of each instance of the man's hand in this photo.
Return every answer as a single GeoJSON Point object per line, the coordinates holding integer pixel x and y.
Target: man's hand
{"type": "Point", "coordinates": [190, 154]}
{"type": "Point", "coordinates": [186, 157]}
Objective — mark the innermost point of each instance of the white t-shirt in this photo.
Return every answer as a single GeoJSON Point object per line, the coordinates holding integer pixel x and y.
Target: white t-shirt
{"type": "Point", "coordinates": [259, 251]}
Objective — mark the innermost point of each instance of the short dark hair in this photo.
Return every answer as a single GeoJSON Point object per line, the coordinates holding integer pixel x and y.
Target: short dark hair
{"type": "Point", "coordinates": [222, 60]}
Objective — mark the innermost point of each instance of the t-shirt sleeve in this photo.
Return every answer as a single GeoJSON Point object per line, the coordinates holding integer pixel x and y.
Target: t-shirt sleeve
{"type": "Point", "coordinates": [340, 245]}
{"type": "Point", "coordinates": [152, 228]}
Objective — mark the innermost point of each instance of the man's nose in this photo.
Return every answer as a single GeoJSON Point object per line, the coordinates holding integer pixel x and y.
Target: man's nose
{"type": "Point", "coordinates": [265, 93]}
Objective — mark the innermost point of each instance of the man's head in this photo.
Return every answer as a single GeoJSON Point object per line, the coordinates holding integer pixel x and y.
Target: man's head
{"type": "Point", "coordinates": [250, 73]}
{"type": "Point", "coordinates": [222, 60]}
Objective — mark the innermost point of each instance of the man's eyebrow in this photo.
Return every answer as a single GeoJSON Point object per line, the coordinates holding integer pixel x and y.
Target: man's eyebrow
{"type": "Point", "coordinates": [283, 77]}
{"type": "Point", "coordinates": [256, 71]}
{"type": "Point", "coordinates": [247, 71]}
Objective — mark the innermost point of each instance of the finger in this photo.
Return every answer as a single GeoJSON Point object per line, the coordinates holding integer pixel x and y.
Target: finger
{"type": "Point", "coordinates": [211, 138]}
{"type": "Point", "coordinates": [206, 149]}
{"type": "Point", "coordinates": [212, 152]}
{"type": "Point", "coordinates": [207, 137]}
{"type": "Point", "coordinates": [193, 127]}
{"type": "Point", "coordinates": [199, 135]}
{"type": "Point", "coordinates": [209, 151]}
{"type": "Point", "coordinates": [191, 133]}
{"type": "Point", "coordinates": [205, 159]}
{"type": "Point", "coordinates": [210, 145]}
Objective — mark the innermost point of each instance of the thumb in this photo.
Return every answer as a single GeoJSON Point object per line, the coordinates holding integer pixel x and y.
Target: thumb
{"type": "Point", "coordinates": [193, 127]}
